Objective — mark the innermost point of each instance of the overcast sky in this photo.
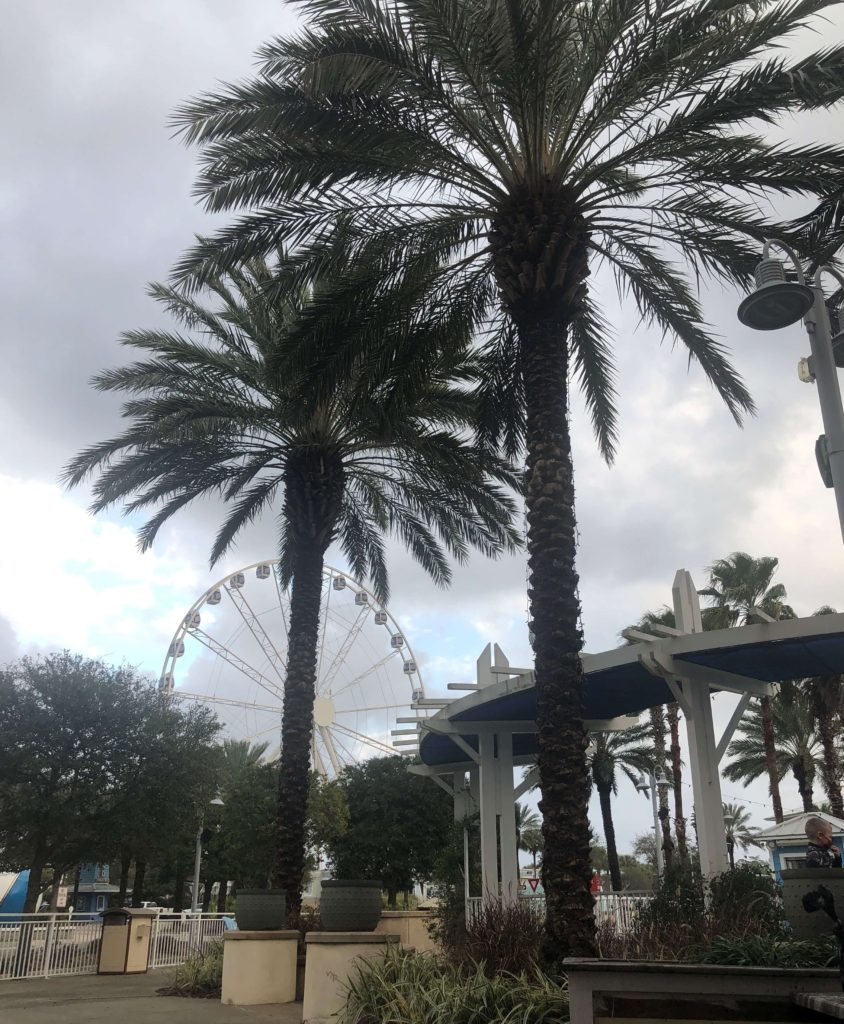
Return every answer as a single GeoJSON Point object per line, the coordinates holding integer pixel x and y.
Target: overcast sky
{"type": "Point", "coordinates": [95, 202]}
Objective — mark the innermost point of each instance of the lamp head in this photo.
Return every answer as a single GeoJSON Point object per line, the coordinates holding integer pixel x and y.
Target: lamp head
{"type": "Point", "coordinates": [775, 302]}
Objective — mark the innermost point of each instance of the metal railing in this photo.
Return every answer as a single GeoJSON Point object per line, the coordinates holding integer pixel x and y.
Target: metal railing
{"type": "Point", "coordinates": [47, 945]}
{"type": "Point", "coordinates": [175, 937]}
{"type": "Point", "coordinates": [619, 909]}
{"type": "Point", "coordinates": [43, 946]}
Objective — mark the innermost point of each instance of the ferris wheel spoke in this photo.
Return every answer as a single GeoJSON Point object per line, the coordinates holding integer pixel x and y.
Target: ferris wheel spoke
{"type": "Point", "coordinates": [369, 741]}
{"type": "Point", "coordinates": [256, 628]}
{"type": "Point", "coordinates": [281, 606]}
{"type": "Point", "coordinates": [316, 757]}
{"type": "Point", "coordinates": [350, 757]}
{"type": "Point", "coordinates": [324, 685]}
{"type": "Point", "coordinates": [324, 627]}
{"type": "Point", "coordinates": [328, 743]}
{"type": "Point", "coordinates": [231, 702]}
{"type": "Point", "coordinates": [374, 707]}
{"type": "Point", "coordinates": [243, 666]}
{"type": "Point", "coordinates": [368, 672]}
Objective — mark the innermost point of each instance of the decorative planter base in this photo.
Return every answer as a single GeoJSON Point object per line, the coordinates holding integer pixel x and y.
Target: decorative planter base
{"type": "Point", "coordinates": [330, 961]}
{"type": "Point", "coordinates": [796, 882]}
{"type": "Point", "coordinates": [259, 967]}
{"type": "Point", "coordinates": [350, 906]}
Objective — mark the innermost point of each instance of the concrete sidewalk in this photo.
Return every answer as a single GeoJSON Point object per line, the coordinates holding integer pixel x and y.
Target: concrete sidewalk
{"type": "Point", "coordinates": [129, 999]}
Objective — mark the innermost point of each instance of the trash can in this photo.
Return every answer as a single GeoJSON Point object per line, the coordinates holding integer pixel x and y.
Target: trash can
{"type": "Point", "coordinates": [124, 947]}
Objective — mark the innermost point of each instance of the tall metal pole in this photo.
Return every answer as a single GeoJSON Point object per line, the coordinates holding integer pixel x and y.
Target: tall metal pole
{"type": "Point", "coordinates": [829, 393]}
{"type": "Point", "coordinates": [197, 867]}
{"type": "Point", "coordinates": [660, 864]}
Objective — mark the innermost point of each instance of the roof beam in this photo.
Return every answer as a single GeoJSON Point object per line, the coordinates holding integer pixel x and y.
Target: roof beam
{"type": "Point", "coordinates": [732, 725]}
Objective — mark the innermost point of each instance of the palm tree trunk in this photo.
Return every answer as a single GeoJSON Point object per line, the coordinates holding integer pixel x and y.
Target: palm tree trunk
{"type": "Point", "coordinates": [297, 726]}
{"type": "Point", "coordinates": [830, 763]}
{"type": "Point", "coordinates": [604, 798]}
{"type": "Point", "coordinates": [769, 743]}
{"type": "Point", "coordinates": [804, 784]}
{"type": "Point", "coordinates": [222, 893]}
{"type": "Point", "coordinates": [658, 732]}
{"type": "Point", "coordinates": [555, 623]}
{"type": "Point", "coordinates": [179, 883]}
{"type": "Point", "coordinates": [673, 713]}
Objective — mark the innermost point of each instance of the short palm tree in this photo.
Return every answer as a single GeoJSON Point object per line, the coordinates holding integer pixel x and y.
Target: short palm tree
{"type": "Point", "coordinates": [486, 157]}
{"type": "Point", "coordinates": [737, 584]}
{"type": "Point", "coordinates": [218, 412]}
{"type": "Point", "coordinates": [629, 752]}
{"type": "Point", "coordinates": [797, 748]}
{"type": "Point", "coordinates": [738, 828]}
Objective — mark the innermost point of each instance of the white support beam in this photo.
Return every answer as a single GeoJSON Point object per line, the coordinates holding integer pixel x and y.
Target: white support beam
{"type": "Point", "coordinates": [507, 821]}
{"type": "Point", "coordinates": [470, 752]}
{"type": "Point", "coordinates": [462, 686]}
{"type": "Point", "coordinates": [732, 725]}
{"type": "Point", "coordinates": [530, 780]}
{"type": "Point", "coordinates": [703, 758]}
{"type": "Point", "coordinates": [639, 636]}
{"type": "Point", "coordinates": [488, 807]}
{"type": "Point", "coordinates": [757, 615]}
{"type": "Point", "coordinates": [440, 781]}
{"type": "Point", "coordinates": [658, 627]}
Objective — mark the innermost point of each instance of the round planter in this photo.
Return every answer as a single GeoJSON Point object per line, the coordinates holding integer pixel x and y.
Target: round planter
{"type": "Point", "coordinates": [260, 910]}
{"type": "Point", "coordinates": [796, 882]}
{"type": "Point", "coordinates": [350, 906]}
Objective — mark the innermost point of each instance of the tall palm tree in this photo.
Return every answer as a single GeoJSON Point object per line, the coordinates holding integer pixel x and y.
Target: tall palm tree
{"type": "Point", "coordinates": [738, 828]}
{"type": "Point", "coordinates": [737, 584]}
{"type": "Point", "coordinates": [629, 752]}
{"type": "Point", "coordinates": [527, 821]}
{"type": "Point", "coordinates": [797, 750]}
{"type": "Point", "coordinates": [827, 702]}
{"type": "Point", "coordinates": [485, 158]}
{"type": "Point", "coordinates": [220, 412]}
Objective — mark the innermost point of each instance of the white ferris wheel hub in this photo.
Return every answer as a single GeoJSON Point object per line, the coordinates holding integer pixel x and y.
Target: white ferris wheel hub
{"type": "Point", "coordinates": [323, 712]}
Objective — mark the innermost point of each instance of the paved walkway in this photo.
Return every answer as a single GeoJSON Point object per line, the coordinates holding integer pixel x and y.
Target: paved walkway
{"type": "Point", "coordinates": [123, 1000]}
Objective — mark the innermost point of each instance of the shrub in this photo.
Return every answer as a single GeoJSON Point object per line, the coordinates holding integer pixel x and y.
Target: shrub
{"type": "Point", "coordinates": [501, 938]}
{"type": "Point", "coordinates": [768, 951]}
{"type": "Point", "coordinates": [421, 988]}
{"type": "Point", "coordinates": [201, 975]}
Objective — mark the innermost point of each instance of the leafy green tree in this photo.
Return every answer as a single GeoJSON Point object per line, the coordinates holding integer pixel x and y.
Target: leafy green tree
{"type": "Point", "coordinates": [737, 584]}
{"type": "Point", "coordinates": [398, 825]}
{"type": "Point", "coordinates": [487, 157]}
{"type": "Point", "coordinates": [797, 747]}
{"type": "Point", "coordinates": [93, 755]}
{"type": "Point", "coordinates": [222, 411]}
{"type": "Point", "coordinates": [629, 752]}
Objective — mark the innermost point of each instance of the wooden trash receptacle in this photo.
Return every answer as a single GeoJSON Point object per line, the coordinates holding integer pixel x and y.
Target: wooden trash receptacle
{"type": "Point", "coordinates": [124, 947]}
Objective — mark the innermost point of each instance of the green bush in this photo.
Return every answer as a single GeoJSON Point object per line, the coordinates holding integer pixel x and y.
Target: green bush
{"type": "Point", "coordinates": [767, 951]}
{"type": "Point", "coordinates": [201, 975]}
{"type": "Point", "coordinates": [421, 988]}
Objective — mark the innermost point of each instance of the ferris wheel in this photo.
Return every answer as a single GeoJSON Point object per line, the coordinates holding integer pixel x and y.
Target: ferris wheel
{"type": "Point", "coordinates": [230, 651]}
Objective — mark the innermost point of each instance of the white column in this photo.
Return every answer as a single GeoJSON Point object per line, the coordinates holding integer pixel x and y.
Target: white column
{"type": "Point", "coordinates": [488, 786]}
{"type": "Point", "coordinates": [703, 750]}
{"type": "Point", "coordinates": [507, 820]}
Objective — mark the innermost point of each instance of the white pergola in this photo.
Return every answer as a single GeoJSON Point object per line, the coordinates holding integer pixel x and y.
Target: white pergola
{"type": "Point", "coordinates": [470, 745]}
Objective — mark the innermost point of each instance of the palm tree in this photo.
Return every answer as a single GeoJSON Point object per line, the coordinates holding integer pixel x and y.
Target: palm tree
{"type": "Point", "coordinates": [221, 412]}
{"type": "Point", "coordinates": [527, 821]}
{"type": "Point", "coordinates": [485, 158]}
{"type": "Point", "coordinates": [532, 843]}
{"type": "Point", "coordinates": [827, 701]}
{"type": "Point", "coordinates": [797, 750]}
{"type": "Point", "coordinates": [738, 584]}
{"type": "Point", "coordinates": [630, 752]}
{"type": "Point", "coordinates": [737, 824]}
{"type": "Point", "coordinates": [238, 756]}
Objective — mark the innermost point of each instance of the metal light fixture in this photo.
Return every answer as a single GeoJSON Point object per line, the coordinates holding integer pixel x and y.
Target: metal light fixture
{"type": "Point", "coordinates": [776, 302]}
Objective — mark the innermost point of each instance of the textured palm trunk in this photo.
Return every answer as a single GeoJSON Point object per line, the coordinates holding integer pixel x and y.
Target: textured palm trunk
{"type": "Point", "coordinates": [830, 763]}
{"type": "Point", "coordinates": [658, 732]}
{"type": "Point", "coordinates": [804, 780]}
{"type": "Point", "coordinates": [673, 714]}
{"type": "Point", "coordinates": [297, 727]}
{"type": "Point", "coordinates": [770, 747]}
{"type": "Point", "coordinates": [604, 798]}
{"type": "Point", "coordinates": [555, 623]}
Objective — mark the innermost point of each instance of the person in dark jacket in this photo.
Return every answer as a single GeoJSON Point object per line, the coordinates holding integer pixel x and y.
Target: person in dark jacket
{"type": "Point", "coordinates": [823, 853]}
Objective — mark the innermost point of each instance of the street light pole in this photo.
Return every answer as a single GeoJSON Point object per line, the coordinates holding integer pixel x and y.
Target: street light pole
{"type": "Point", "coordinates": [660, 860]}
{"type": "Point", "coordinates": [197, 867]}
{"type": "Point", "coordinates": [778, 302]}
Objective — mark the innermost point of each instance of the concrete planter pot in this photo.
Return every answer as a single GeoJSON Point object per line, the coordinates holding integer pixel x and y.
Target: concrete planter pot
{"type": "Point", "coordinates": [796, 882]}
{"type": "Point", "coordinates": [350, 906]}
{"type": "Point", "coordinates": [260, 910]}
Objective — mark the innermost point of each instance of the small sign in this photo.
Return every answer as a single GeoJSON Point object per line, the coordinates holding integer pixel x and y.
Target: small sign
{"type": "Point", "coordinates": [533, 883]}
{"type": "Point", "coordinates": [62, 899]}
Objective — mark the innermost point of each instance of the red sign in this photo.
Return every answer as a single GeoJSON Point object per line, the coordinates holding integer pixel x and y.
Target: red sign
{"type": "Point", "coordinates": [533, 883]}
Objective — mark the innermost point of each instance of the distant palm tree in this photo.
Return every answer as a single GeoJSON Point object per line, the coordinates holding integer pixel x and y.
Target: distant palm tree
{"type": "Point", "coordinates": [228, 411]}
{"type": "Point", "coordinates": [738, 829]}
{"type": "Point", "coordinates": [239, 755]}
{"type": "Point", "coordinates": [527, 821]}
{"type": "Point", "coordinates": [737, 584]}
{"type": "Point", "coordinates": [491, 156]}
{"type": "Point", "coordinates": [533, 843]}
{"type": "Point", "coordinates": [629, 752]}
{"type": "Point", "coordinates": [797, 747]}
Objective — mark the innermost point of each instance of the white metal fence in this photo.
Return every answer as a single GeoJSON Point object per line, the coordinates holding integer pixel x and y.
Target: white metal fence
{"type": "Point", "coordinates": [619, 909]}
{"type": "Point", "coordinates": [43, 946]}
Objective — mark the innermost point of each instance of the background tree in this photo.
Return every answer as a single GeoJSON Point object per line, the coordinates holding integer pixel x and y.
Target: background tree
{"type": "Point", "coordinates": [628, 752]}
{"type": "Point", "coordinates": [797, 746]}
{"type": "Point", "coordinates": [827, 702]}
{"type": "Point", "coordinates": [737, 584]}
{"type": "Point", "coordinates": [527, 821]}
{"type": "Point", "coordinates": [223, 411]}
{"type": "Point", "coordinates": [488, 157]}
{"type": "Point", "coordinates": [740, 832]}
{"type": "Point", "coordinates": [398, 825]}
